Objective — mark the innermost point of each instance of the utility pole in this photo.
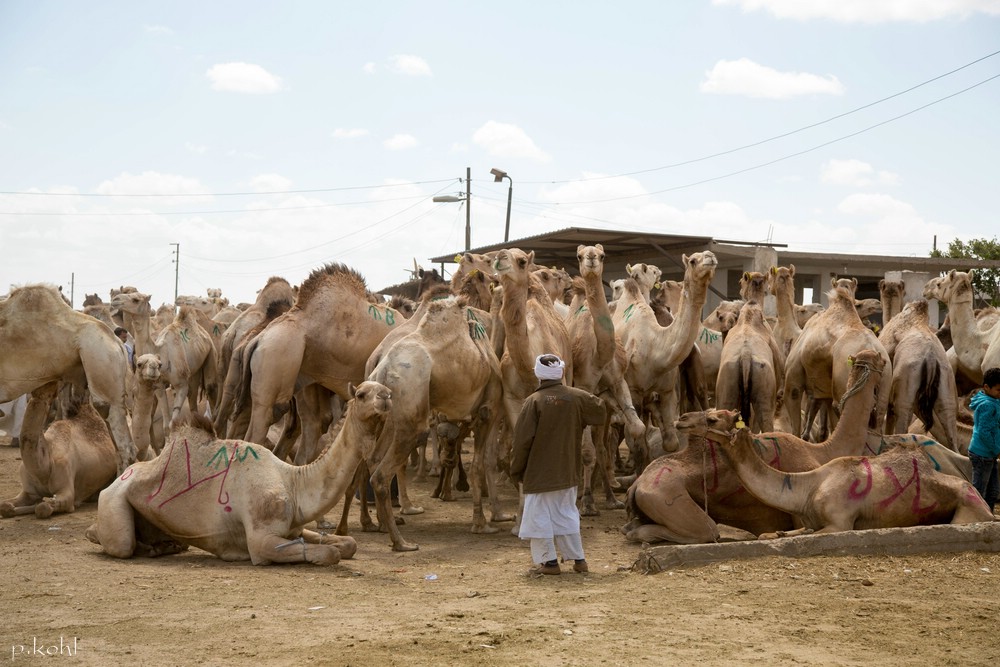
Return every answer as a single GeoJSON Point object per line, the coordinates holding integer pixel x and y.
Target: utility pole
{"type": "Point", "coordinates": [468, 213]}
{"type": "Point", "coordinates": [177, 269]}
{"type": "Point", "coordinates": [72, 288]}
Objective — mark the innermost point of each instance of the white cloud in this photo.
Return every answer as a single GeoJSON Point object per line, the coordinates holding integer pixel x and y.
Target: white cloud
{"type": "Point", "coordinates": [410, 65]}
{"type": "Point", "coordinates": [270, 183]}
{"type": "Point", "coordinates": [195, 148]}
{"type": "Point", "coordinates": [745, 77]}
{"type": "Point", "coordinates": [151, 183]}
{"type": "Point", "coordinates": [504, 140]}
{"type": "Point", "coordinates": [868, 11]}
{"type": "Point", "coordinates": [855, 173]}
{"type": "Point", "coordinates": [158, 29]}
{"type": "Point", "coordinates": [243, 78]}
{"type": "Point", "coordinates": [876, 205]}
{"type": "Point", "coordinates": [368, 68]}
{"type": "Point", "coordinates": [400, 142]}
{"type": "Point", "coordinates": [349, 133]}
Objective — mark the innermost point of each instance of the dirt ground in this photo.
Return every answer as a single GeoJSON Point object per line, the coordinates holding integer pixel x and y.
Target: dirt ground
{"type": "Point", "coordinates": [467, 599]}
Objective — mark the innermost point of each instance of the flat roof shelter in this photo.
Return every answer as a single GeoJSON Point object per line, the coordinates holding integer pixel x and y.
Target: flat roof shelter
{"type": "Point", "coordinates": [812, 270]}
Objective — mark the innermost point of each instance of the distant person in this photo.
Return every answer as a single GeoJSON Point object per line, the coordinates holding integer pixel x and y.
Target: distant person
{"type": "Point", "coordinates": [122, 334]}
{"type": "Point", "coordinates": [985, 445]}
{"type": "Point", "coordinates": [546, 458]}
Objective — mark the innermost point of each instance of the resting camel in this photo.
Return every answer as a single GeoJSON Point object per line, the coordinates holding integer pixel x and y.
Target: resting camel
{"type": "Point", "coordinates": [896, 489]}
{"type": "Point", "coordinates": [816, 363]}
{"type": "Point", "coordinates": [922, 380]}
{"type": "Point", "coordinates": [235, 499]}
{"type": "Point", "coordinates": [44, 340]}
{"type": "Point", "coordinates": [186, 351]}
{"type": "Point", "coordinates": [446, 366]}
{"type": "Point", "coordinates": [653, 350]}
{"type": "Point", "coordinates": [325, 338]}
{"type": "Point", "coordinates": [67, 464]}
{"type": "Point", "coordinates": [599, 365]}
{"type": "Point", "coordinates": [668, 500]}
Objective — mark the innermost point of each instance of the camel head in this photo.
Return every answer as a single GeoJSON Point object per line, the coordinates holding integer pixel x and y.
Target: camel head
{"type": "Point", "coordinates": [404, 305]}
{"type": "Point", "coordinates": [783, 277]}
{"type": "Point", "coordinates": [214, 292]}
{"type": "Point", "coordinates": [135, 303]}
{"type": "Point", "coordinates": [724, 317]}
{"type": "Point", "coordinates": [370, 400]}
{"type": "Point", "coordinates": [844, 285]}
{"type": "Point", "coordinates": [555, 282]}
{"type": "Point", "coordinates": [956, 287]}
{"type": "Point", "coordinates": [147, 367]}
{"type": "Point", "coordinates": [591, 259]}
{"type": "Point", "coordinates": [891, 289]}
{"type": "Point", "coordinates": [932, 289]}
{"type": "Point", "coordinates": [699, 423]}
{"type": "Point", "coordinates": [513, 264]}
{"type": "Point", "coordinates": [805, 312]}
{"type": "Point", "coordinates": [646, 275]}
{"type": "Point", "coordinates": [617, 288]}
{"type": "Point", "coordinates": [700, 266]}
{"type": "Point", "coordinates": [866, 307]}
{"type": "Point", "coordinates": [753, 286]}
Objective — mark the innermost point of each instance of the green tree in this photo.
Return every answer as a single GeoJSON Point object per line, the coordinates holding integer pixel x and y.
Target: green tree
{"type": "Point", "coordinates": [986, 282]}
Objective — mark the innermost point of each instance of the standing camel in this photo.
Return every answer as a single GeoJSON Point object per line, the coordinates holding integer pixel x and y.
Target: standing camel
{"type": "Point", "coordinates": [44, 340]}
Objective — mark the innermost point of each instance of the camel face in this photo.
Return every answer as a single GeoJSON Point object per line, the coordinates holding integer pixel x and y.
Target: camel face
{"type": "Point", "coordinates": [647, 275]}
{"type": "Point", "coordinates": [372, 399]}
{"type": "Point", "coordinates": [590, 259]}
{"type": "Point", "coordinates": [617, 288]}
{"type": "Point", "coordinates": [131, 302]}
{"type": "Point", "coordinates": [147, 367]}
{"type": "Point", "coordinates": [510, 260]}
{"type": "Point", "coordinates": [868, 307]}
{"type": "Point", "coordinates": [725, 315]}
{"type": "Point", "coordinates": [753, 286]}
{"type": "Point", "coordinates": [699, 423]}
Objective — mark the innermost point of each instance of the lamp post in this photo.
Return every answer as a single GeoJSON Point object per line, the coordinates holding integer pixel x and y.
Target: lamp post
{"type": "Point", "coordinates": [467, 199]}
{"type": "Point", "coordinates": [498, 176]}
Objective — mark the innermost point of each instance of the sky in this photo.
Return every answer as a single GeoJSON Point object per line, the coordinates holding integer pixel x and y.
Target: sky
{"type": "Point", "coordinates": [256, 139]}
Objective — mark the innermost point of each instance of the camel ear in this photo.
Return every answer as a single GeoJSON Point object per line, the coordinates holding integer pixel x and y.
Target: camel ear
{"type": "Point", "coordinates": [351, 389]}
{"type": "Point", "coordinates": [746, 275]}
{"type": "Point", "coordinates": [881, 284]}
{"type": "Point", "coordinates": [531, 257]}
{"type": "Point", "coordinates": [854, 281]}
{"type": "Point", "coordinates": [833, 281]}
{"type": "Point", "coordinates": [628, 269]}
{"type": "Point", "coordinates": [971, 272]}
{"type": "Point", "coordinates": [791, 269]}
{"type": "Point", "coordinates": [580, 248]}
{"type": "Point", "coordinates": [774, 270]}
{"type": "Point", "coordinates": [599, 247]}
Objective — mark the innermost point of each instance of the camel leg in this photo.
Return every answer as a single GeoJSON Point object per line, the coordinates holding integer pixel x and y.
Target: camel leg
{"type": "Point", "coordinates": [447, 434]}
{"type": "Point", "coordinates": [271, 548]}
{"type": "Point", "coordinates": [115, 527]}
{"type": "Point", "coordinates": [346, 545]}
{"type": "Point", "coordinates": [381, 480]}
{"type": "Point", "coordinates": [23, 503]}
{"type": "Point", "coordinates": [589, 461]}
{"type": "Point", "coordinates": [678, 519]}
{"type": "Point", "coordinates": [406, 505]}
{"type": "Point", "coordinates": [605, 454]}
{"type": "Point", "coordinates": [290, 432]}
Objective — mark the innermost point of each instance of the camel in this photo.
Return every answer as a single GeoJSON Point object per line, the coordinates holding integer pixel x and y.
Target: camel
{"type": "Point", "coordinates": [443, 366]}
{"type": "Point", "coordinates": [782, 285]}
{"type": "Point", "coordinates": [892, 294]}
{"type": "Point", "coordinates": [954, 289]}
{"type": "Point", "coordinates": [816, 365]}
{"type": "Point", "coordinates": [148, 389]}
{"type": "Point", "coordinates": [666, 502]}
{"type": "Point", "coordinates": [806, 311]}
{"type": "Point", "coordinates": [469, 263]}
{"type": "Point", "coordinates": [556, 282]}
{"type": "Point", "coordinates": [670, 294]}
{"type": "Point", "coordinates": [751, 368]}
{"type": "Point", "coordinates": [599, 364]}
{"type": "Point", "coordinates": [43, 340]}
{"type": "Point", "coordinates": [922, 379]}
{"type": "Point", "coordinates": [653, 350]}
{"type": "Point", "coordinates": [325, 338]}
{"type": "Point", "coordinates": [531, 327]}
{"type": "Point", "coordinates": [647, 277]}
{"type": "Point", "coordinates": [896, 489]}
{"type": "Point", "coordinates": [712, 337]}
{"type": "Point", "coordinates": [234, 499]}
{"type": "Point", "coordinates": [67, 464]}
{"type": "Point", "coordinates": [185, 349]}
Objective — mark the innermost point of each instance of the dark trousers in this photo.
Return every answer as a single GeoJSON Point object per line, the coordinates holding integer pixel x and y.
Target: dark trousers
{"type": "Point", "coordinates": [986, 478]}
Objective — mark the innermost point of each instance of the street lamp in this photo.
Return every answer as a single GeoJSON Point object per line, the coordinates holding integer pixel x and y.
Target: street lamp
{"type": "Point", "coordinates": [498, 176]}
{"type": "Point", "coordinates": [467, 199]}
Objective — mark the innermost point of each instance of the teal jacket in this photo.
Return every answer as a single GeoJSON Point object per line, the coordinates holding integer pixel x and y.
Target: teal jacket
{"type": "Point", "coordinates": [986, 426]}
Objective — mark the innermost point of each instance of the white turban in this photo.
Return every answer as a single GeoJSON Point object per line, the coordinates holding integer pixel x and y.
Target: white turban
{"type": "Point", "coordinates": [549, 371]}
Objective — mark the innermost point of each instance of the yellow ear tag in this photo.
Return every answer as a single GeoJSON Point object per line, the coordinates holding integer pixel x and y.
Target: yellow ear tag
{"type": "Point", "coordinates": [740, 424]}
{"type": "Point", "coordinates": [473, 272]}
{"type": "Point", "coordinates": [657, 285]}
{"type": "Point", "coordinates": [850, 361]}
{"type": "Point", "coordinates": [458, 259]}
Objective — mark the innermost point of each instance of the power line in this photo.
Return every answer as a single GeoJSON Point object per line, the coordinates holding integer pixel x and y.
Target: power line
{"type": "Point", "coordinates": [776, 160]}
{"type": "Point", "coordinates": [225, 194]}
{"type": "Point", "coordinates": [774, 138]}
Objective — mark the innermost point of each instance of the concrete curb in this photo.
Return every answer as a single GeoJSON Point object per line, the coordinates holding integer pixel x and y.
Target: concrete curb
{"type": "Point", "coordinates": [880, 541]}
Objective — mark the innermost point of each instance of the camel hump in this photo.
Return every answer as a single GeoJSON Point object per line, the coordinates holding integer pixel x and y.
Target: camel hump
{"type": "Point", "coordinates": [199, 422]}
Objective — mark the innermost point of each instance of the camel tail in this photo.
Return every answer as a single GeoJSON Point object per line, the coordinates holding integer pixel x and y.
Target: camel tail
{"type": "Point", "coordinates": [927, 395]}
{"type": "Point", "coordinates": [746, 384]}
{"type": "Point", "coordinates": [241, 357]}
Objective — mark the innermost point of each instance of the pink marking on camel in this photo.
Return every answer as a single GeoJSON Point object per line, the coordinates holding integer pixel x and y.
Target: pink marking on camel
{"type": "Point", "coordinates": [656, 480]}
{"type": "Point", "coordinates": [853, 492]}
{"type": "Point", "coordinates": [190, 484]}
{"type": "Point", "coordinates": [900, 488]}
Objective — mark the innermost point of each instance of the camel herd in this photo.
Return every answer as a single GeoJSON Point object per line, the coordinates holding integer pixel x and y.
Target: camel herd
{"type": "Point", "coordinates": [237, 427]}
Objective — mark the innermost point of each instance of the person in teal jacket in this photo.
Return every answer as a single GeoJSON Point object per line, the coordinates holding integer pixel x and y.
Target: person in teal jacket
{"type": "Point", "coordinates": [985, 445]}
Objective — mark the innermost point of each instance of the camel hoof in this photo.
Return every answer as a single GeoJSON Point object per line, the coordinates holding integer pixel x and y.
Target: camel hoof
{"type": "Point", "coordinates": [589, 510]}
{"type": "Point", "coordinates": [503, 517]}
{"type": "Point", "coordinates": [400, 521]}
{"type": "Point", "coordinates": [412, 510]}
{"type": "Point", "coordinates": [43, 510]}
{"type": "Point", "coordinates": [625, 482]}
{"type": "Point", "coordinates": [462, 486]}
{"type": "Point", "coordinates": [324, 524]}
{"type": "Point", "coordinates": [614, 505]}
{"type": "Point", "coordinates": [370, 528]}
{"type": "Point", "coordinates": [7, 510]}
{"type": "Point", "coordinates": [485, 529]}
{"type": "Point", "coordinates": [403, 545]}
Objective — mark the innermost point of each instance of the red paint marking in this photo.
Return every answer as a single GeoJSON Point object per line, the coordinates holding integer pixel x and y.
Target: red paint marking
{"type": "Point", "coordinates": [853, 493]}
{"type": "Point", "coordinates": [663, 469]}
{"type": "Point", "coordinates": [191, 484]}
{"type": "Point", "coordinates": [900, 488]}
{"type": "Point", "coordinates": [127, 474]}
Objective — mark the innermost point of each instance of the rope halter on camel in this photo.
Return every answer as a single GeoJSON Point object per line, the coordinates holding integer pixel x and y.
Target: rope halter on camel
{"type": "Point", "coordinates": [866, 370]}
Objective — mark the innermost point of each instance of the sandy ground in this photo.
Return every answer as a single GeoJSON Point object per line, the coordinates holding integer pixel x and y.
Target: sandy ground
{"type": "Point", "coordinates": [466, 599]}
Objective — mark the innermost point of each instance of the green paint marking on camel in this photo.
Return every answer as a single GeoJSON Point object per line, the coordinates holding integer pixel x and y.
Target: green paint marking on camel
{"type": "Point", "coordinates": [629, 311]}
{"type": "Point", "coordinates": [373, 311]}
{"type": "Point", "coordinates": [708, 335]}
{"type": "Point", "coordinates": [605, 323]}
{"type": "Point", "coordinates": [247, 451]}
{"type": "Point", "coordinates": [185, 336]}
